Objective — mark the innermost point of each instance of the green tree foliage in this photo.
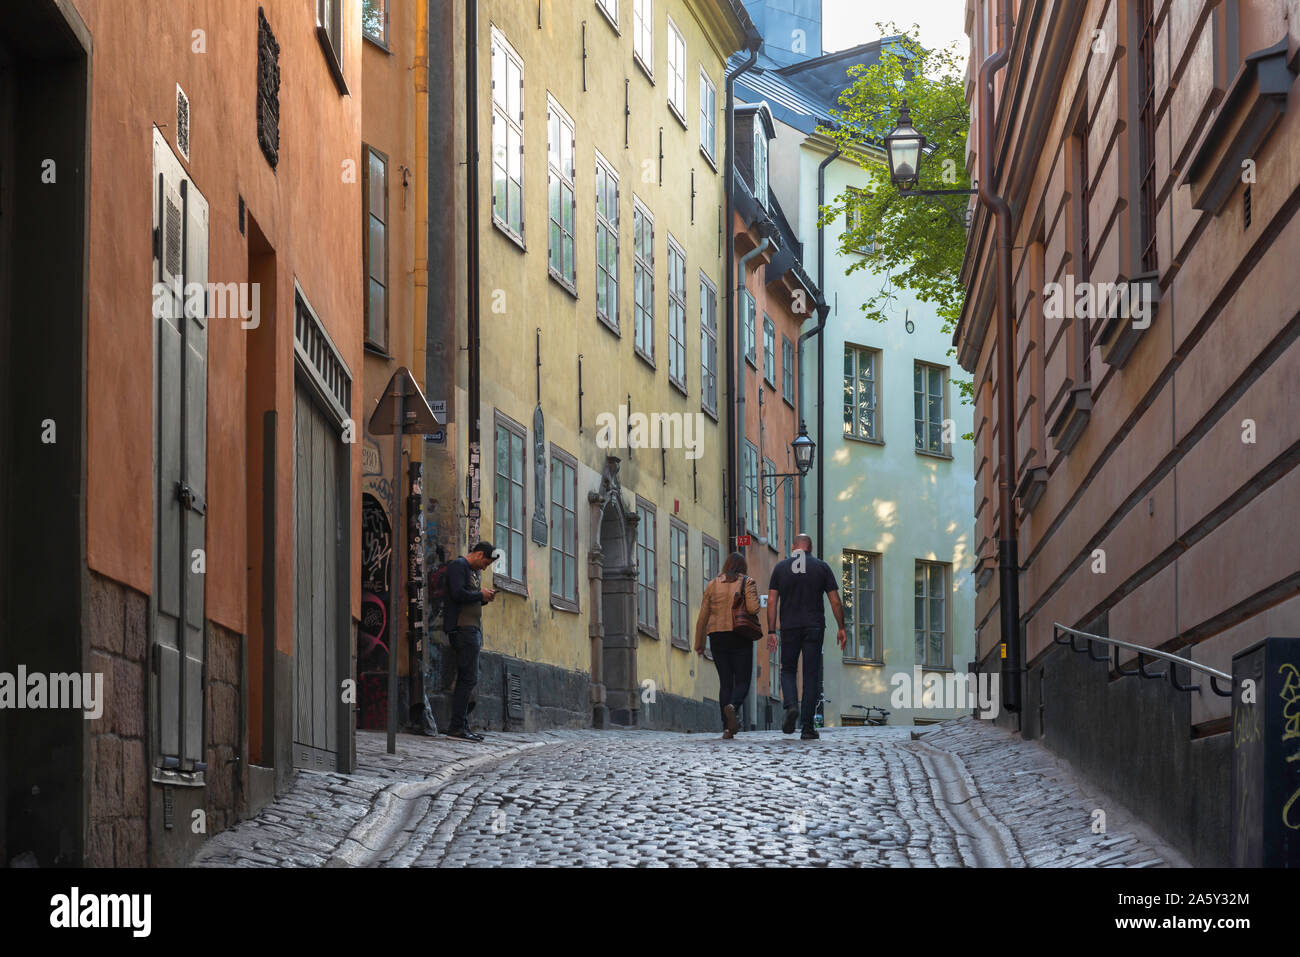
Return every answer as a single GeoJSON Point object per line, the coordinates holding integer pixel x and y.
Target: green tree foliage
{"type": "Point", "coordinates": [916, 243]}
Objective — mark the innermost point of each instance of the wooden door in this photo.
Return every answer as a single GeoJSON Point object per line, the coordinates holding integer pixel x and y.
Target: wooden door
{"type": "Point", "coordinates": [318, 556]}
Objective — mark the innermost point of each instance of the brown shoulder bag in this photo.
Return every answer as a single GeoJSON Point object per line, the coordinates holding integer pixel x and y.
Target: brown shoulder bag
{"type": "Point", "coordinates": [744, 624]}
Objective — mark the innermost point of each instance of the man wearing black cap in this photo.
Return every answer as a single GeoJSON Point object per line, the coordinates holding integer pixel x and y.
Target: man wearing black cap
{"type": "Point", "coordinates": [462, 620]}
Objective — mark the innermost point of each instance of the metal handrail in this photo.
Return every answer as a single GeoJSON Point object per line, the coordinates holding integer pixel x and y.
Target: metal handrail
{"type": "Point", "coordinates": [1174, 660]}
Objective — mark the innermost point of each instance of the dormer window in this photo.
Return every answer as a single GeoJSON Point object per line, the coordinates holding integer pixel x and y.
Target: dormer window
{"type": "Point", "coordinates": [760, 161]}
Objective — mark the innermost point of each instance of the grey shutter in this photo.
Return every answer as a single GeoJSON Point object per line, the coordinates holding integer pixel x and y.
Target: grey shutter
{"type": "Point", "coordinates": [181, 260]}
{"type": "Point", "coordinates": [194, 439]}
{"type": "Point", "coordinates": [169, 251]}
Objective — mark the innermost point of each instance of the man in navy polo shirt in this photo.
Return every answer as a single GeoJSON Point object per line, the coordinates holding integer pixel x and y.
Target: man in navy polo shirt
{"type": "Point", "coordinates": [798, 584]}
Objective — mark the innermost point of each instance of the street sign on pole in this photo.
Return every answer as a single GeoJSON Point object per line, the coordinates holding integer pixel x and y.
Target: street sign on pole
{"type": "Point", "coordinates": [402, 410]}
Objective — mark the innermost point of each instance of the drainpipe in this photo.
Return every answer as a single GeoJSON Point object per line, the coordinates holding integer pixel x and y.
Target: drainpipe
{"type": "Point", "coordinates": [733, 317]}
{"type": "Point", "coordinates": [823, 310]}
{"type": "Point", "coordinates": [1008, 560]}
{"type": "Point", "coordinates": [471, 239]}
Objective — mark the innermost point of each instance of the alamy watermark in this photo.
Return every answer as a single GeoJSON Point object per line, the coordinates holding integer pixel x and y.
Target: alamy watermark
{"type": "Point", "coordinates": [37, 690]}
{"type": "Point", "coordinates": [650, 430]}
{"type": "Point", "coordinates": [952, 691]}
{"type": "Point", "coordinates": [213, 300]}
{"type": "Point", "coordinates": [1089, 300]}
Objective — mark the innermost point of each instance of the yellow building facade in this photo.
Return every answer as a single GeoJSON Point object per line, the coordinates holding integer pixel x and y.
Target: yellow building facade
{"type": "Point", "coordinates": [601, 415]}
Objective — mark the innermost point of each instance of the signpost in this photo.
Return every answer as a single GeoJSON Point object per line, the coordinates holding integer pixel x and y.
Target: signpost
{"type": "Point", "coordinates": [402, 410]}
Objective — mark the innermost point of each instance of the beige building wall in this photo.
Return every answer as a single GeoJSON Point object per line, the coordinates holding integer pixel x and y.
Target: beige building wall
{"type": "Point", "coordinates": [577, 55]}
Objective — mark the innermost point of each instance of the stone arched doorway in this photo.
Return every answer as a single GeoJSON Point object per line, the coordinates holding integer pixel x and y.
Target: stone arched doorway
{"type": "Point", "coordinates": [611, 574]}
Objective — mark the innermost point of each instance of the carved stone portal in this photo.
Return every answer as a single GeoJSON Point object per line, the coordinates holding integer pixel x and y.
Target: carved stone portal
{"type": "Point", "coordinates": [611, 573]}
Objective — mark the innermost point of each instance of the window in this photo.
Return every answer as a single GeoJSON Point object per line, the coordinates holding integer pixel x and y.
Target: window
{"type": "Point", "coordinates": [787, 369]}
{"type": "Point", "coordinates": [643, 281]}
{"type": "Point", "coordinates": [930, 407]}
{"type": "Point", "coordinates": [747, 304]}
{"type": "Point", "coordinates": [564, 530]}
{"type": "Point", "coordinates": [858, 593]}
{"type": "Point", "coordinates": [708, 118]}
{"type": "Point", "coordinates": [507, 138]}
{"type": "Point", "coordinates": [760, 161]}
{"type": "Point", "coordinates": [643, 35]}
{"type": "Point", "coordinates": [1146, 136]}
{"type": "Point", "coordinates": [676, 315]}
{"type": "Point", "coordinates": [931, 611]}
{"type": "Point", "coordinates": [647, 594]}
{"type": "Point", "coordinates": [711, 563]}
{"type": "Point", "coordinates": [374, 21]}
{"type": "Point", "coordinates": [676, 71]}
{"type": "Point", "coordinates": [708, 346]}
{"type": "Point", "coordinates": [789, 516]}
{"type": "Point", "coordinates": [375, 191]}
{"type": "Point", "coordinates": [610, 9]}
{"type": "Point", "coordinates": [508, 503]}
{"type": "Point", "coordinates": [606, 243]}
{"type": "Point", "coordinates": [329, 30]}
{"type": "Point", "coordinates": [1084, 273]}
{"type": "Point", "coordinates": [853, 220]}
{"type": "Point", "coordinates": [560, 194]}
{"type": "Point", "coordinates": [769, 350]}
{"type": "Point", "coordinates": [769, 499]}
{"type": "Point", "coordinates": [679, 579]}
{"type": "Point", "coordinates": [749, 473]}
{"type": "Point", "coordinates": [860, 393]}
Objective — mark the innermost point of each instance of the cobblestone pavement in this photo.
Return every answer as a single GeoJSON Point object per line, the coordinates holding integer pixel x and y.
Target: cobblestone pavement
{"type": "Point", "coordinates": [961, 794]}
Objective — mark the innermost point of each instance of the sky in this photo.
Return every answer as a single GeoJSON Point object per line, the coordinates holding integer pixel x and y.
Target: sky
{"type": "Point", "coordinates": [846, 23]}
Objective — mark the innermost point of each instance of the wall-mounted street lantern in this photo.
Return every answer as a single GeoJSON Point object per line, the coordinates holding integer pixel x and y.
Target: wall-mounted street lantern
{"type": "Point", "coordinates": [905, 148]}
{"type": "Point", "coordinates": [805, 450]}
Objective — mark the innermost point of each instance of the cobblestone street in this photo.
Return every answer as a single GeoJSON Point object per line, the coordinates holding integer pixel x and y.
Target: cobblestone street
{"type": "Point", "coordinates": [961, 794]}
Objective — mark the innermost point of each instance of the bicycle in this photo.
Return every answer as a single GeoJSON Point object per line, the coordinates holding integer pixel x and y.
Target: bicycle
{"type": "Point", "coordinates": [876, 720]}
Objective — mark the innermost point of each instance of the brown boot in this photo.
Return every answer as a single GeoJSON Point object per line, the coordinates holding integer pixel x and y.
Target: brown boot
{"type": "Point", "coordinates": [733, 723]}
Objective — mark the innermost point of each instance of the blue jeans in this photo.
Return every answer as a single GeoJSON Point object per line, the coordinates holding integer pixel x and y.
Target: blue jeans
{"type": "Point", "coordinates": [466, 642]}
{"type": "Point", "coordinates": [806, 642]}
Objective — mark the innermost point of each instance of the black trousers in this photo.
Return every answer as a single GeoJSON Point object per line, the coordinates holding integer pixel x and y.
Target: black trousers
{"type": "Point", "coordinates": [733, 656]}
{"type": "Point", "coordinates": [466, 642]}
{"type": "Point", "coordinates": [808, 643]}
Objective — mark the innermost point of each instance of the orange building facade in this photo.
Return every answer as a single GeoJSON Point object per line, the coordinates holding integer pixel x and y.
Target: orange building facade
{"type": "Point", "coordinates": [775, 297]}
{"type": "Point", "coordinates": [187, 454]}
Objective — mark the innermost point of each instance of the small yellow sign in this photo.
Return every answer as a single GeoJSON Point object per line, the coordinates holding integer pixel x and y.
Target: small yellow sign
{"type": "Point", "coordinates": [1004, 649]}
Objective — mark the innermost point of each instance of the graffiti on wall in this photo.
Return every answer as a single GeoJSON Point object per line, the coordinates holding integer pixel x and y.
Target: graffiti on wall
{"type": "Point", "coordinates": [376, 561]}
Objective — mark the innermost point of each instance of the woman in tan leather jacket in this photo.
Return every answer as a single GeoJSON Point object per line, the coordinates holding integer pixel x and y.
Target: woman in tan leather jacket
{"type": "Point", "coordinates": [732, 654]}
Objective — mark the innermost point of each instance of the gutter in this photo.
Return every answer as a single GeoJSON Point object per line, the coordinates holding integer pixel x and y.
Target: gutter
{"type": "Point", "coordinates": [823, 310]}
{"type": "Point", "coordinates": [471, 257]}
{"type": "Point", "coordinates": [1008, 560]}
{"type": "Point", "coordinates": [733, 318]}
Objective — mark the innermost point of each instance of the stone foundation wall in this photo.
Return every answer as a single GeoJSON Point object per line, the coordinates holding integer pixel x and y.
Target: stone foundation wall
{"type": "Point", "coordinates": [117, 778]}
{"type": "Point", "coordinates": [552, 698]}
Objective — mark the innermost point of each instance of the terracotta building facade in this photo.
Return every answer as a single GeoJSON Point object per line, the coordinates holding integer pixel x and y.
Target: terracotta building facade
{"type": "Point", "coordinates": [180, 489]}
{"type": "Point", "coordinates": [1149, 152]}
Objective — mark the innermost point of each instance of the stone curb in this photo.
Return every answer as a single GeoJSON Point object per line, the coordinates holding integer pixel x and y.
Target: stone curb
{"type": "Point", "coordinates": [960, 800]}
{"type": "Point", "coordinates": [398, 804]}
